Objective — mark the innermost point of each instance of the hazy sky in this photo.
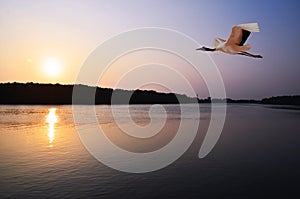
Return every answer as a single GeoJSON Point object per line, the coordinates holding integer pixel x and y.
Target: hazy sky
{"type": "Point", "coordinates": [34, 31]}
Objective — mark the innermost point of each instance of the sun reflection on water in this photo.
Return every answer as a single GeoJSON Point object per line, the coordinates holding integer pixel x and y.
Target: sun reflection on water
{"type": "Point", "coordinates": [51, 120]}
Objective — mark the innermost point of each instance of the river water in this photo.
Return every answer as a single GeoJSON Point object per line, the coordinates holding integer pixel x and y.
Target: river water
{"type": "Point", "coordinates": [257, 154]}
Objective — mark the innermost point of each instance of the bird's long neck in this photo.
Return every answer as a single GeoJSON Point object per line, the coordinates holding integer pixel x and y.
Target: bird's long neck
{"type": "Point", "coordinates": [209, 49]}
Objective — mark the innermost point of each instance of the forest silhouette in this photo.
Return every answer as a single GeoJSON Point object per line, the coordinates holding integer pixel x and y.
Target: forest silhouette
{"type": "Point", "coordinates": [58, 94]}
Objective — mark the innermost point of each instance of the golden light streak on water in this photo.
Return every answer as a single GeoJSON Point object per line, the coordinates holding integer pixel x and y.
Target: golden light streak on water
{"type": "Point", "coordinates": [51, 120]}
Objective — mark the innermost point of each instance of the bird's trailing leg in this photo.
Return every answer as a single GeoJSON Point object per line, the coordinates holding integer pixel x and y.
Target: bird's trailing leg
{"type": "Point", "coordinates": [249, 54]}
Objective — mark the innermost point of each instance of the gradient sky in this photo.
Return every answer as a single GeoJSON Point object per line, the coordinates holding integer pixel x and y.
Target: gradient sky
{"type": "Point", "coordinates": [33, 31]}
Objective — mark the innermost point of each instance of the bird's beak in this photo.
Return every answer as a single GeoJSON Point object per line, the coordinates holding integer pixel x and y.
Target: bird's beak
{"type": "Point", "coordinates": [202, 48]}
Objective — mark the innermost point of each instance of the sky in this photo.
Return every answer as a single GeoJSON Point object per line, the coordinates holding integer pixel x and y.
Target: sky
{"type": "Point", "coordinates": [35, 34]}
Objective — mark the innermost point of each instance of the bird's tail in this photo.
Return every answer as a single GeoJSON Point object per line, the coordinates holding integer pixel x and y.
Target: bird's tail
{"type": "Point", "coordinates": [251, 27]}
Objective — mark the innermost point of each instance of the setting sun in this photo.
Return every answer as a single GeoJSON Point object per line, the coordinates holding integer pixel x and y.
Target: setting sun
{"type": "Point", "coordinates": [52, 67]}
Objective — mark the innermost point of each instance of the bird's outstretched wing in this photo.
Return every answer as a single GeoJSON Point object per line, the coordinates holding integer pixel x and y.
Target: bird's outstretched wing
{"type": "Point", "coordinates": [240, 33]}
{"type": "Point", "coordinates": [245, 35]}
{"type": "Point", "coordinates": [251, 27]}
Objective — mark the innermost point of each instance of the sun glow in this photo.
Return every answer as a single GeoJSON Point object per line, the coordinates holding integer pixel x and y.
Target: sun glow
{"type": "Point", "coordinates": [52, 67]}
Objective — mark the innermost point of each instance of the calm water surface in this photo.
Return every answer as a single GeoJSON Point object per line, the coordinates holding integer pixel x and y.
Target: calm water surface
{"type": "Point", "coordinates": [258, 154]}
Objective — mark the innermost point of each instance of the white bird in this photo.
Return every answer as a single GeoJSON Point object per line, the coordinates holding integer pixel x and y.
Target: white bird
{"type": "Point", "coordinates": [235, 43]}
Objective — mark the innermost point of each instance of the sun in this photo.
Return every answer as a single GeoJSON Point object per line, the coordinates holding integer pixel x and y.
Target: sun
{"type": "Point", "coordinates": [52, 67]}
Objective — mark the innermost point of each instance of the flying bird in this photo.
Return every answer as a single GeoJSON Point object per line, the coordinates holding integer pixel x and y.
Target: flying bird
{"type": "Point", "coordinates": [235, 43]}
